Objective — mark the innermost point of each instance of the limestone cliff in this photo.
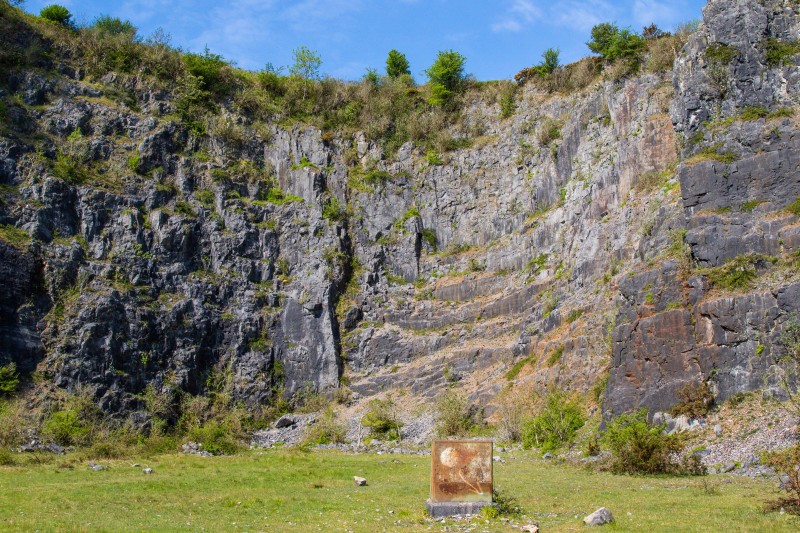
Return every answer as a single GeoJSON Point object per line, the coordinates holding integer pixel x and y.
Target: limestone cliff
{"type": "Point", "coordinates": [578, 237]}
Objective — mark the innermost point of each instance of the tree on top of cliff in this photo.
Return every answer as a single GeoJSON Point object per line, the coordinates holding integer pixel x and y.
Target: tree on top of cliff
{"type": "Point", "coordinates": [446, 76]}
{"type": "Point", "coordinates": [611, 42]}
{"type": "Point", "coordinates": [306, 66]}
{"type": "Point", "coordinates": [397, 64]}
{"type": "Point", "coordinates": [56, 13]}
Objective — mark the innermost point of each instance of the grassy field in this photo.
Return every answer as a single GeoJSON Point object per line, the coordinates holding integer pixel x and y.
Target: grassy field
{"type": "Point", "coordinates": [314, 491]}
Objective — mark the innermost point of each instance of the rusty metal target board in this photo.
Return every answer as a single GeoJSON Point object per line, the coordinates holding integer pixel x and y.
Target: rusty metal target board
{"type": "Point", "coordinates": [461, 471]}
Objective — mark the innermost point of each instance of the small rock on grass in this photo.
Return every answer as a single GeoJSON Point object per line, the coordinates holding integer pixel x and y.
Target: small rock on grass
{"type": "Point", "coordinates": [599, 517]}
{"type": "Point", "coordinates": [359, 481]}
{"type": "Point", "coordinates": [531, 528]}
{"type": "Point", "coordinates": [147, 471]}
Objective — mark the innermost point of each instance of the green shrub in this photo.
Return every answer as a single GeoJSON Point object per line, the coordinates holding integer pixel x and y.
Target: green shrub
{"type": "Point", "coordinates": [555, 357]}
{"type": "Point", "coordinates": [661, 53]}
{"type": "Point", "coordinates": [192, 102]}
{"type": "Point", "coordinates": [184, 208]}
{"type": "Point", "coordinates": [446, 76]}
{"type": "Point", "coordinates": [574, 315]}
{"type": "Point", "coordinates": [9, 380]}
{"type": "Point", "coordinates": [13, 423]}
{"type": "Point", "coordinates": [786, 462]}
{"type": "Point", "coordinates": [695, 400]}
{"type": "Point", "coordinates": [555, 425]}
{"type": "Point", "coordinates": [507, 104]}
{"type": "Point", "coordinates": [721, 54]}
{"type": "Point", "coordinates": [794, 207]}
{"type": "Point", "coordinates": [397, 64]}
{"type": "Point", "coordinates": [67, 428]}
{"type": "Point", "coordinates": [56, 13]}
{"type": "Point", "coordinates": [16, 237]}
{"type": "Point", "coordinates": [777, 51]}
{"type": "Point", "coordinates": [434, 158]}
{"type": "Point", "coordinates": [70, 170]}
{"type": "Point", "coordinates": [503, 505]}
{"type": "Point", "coordinates": [114, 25]}
{"type": "Point", "coordinates": [455, 417]}
{"type": "Point", "coordinates": [212, 71]}
{"type": "Point", "coordinates": [133, 163]}
{"type": "Point", "coordinates": [332, 210]}
{"type": "Point", "coordinates": [613, 43]}
{"type": "Point", "coordinates": [381, 420]}
{"type": "Point", "coordinates": [549, 131]}
{"type": "Point", "coordinates": [217, 437]}
{"type": "Point", "coordinates": [326, 430]}
{"type": "Point", "coordinates": [639, 447]}
{"type": "Point", "coordinates": [739, 272]}
{"type": "Point", "coordinates": [6, 457]}
{"type": "Point", "coordinates": [205, 197]}
{"type": "Point", "coordinates": [429, 237]}
{"type": "Point", "coordinates": [278, 197]}
{"type": "Point", "coordinates": [753, 113]}
{"type": "Point", "coordinates": [550, 61]}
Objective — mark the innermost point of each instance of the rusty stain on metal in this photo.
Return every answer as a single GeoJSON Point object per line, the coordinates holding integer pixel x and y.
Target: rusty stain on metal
{"type": "Point", "coordinates": [461, 471]}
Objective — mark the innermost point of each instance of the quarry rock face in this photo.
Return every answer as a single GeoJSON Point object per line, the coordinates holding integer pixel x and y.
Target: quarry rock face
{"type": "Point", "coordinates": [688, 333]}
{"type": "Point", "coordinates": [561, 255]}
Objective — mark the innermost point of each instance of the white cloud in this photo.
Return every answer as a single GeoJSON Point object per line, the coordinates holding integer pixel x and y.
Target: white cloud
{"type": "Point", "coordinates": [581, 15]}
{"type": "Point", "coordinates": [519, 14]}
{"type": "Point", "coordinates": [526, 9]}
{"type": "Point", "coordinates": [506, 25]}
{"type": "Point", "coordinates": [664, 13]}
{"type": "Point", "coordinates": [578, 15]}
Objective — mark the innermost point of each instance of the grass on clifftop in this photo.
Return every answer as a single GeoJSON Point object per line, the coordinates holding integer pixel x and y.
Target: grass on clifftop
{"type": "Point", "coordinates": [300, 491]}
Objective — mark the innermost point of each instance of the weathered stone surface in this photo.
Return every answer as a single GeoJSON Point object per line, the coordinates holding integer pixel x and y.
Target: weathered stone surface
{"type": "Point", "coordinates": [170, 266]}
{"type": "Point", "coordinates": [599, 517]}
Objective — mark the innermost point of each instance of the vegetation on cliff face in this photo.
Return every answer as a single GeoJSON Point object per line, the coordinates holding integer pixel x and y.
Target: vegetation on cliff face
{"type": "Point", "coordinates": [216, 226]}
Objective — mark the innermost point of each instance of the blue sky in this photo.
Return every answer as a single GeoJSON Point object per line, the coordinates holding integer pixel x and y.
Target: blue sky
{"type": "Point", "coordinates": [498, 37]}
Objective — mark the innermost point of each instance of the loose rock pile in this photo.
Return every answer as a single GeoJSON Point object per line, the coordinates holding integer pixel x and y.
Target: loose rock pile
{"type": "Point", "coordinates": [195, 448]}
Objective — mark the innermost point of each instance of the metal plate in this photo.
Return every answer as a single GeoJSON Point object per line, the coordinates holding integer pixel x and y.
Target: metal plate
{"type": "Point", "coordinates": [461, 471]}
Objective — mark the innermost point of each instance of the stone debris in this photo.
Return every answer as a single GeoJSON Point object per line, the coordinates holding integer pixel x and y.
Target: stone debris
{"type": "Point", "coordinates": [147, 471]}
{"type": "Point", "coordinates": [677, 424]}
{"type": "Point", "coordinates": [599, 517]}
{"type": "Point", "coordinates": [360, 481]}
{"type": "Point", "coordinates": [531, 528]}
{"type": "Point", "coordinates": [285, 421]}
{"type": "Point", "coordinates": [195, 448]}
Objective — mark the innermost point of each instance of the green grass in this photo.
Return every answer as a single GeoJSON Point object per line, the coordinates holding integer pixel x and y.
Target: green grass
{"type": "Point", "coordinates": [739, 272]}
{"type": "Point", "coordinates": [748, 207]}
{"type": "Point", "coordinates": [517, 368]}
{"type": "Point", "coordinates": [753, 113]}
{"type": "Point", "coordinates": [777, 51]}
{"type": "Point", "coordinates": [794, 207]}
{"type": "Point", "coordinates": [721, 53]}
{"type": "Point", "coordinates": [555, 357]}
{"type": "Point", "coordinates": [297, 491]}
{"type": "Point", "coordinates": [14, 236]}
{"type": "Point", "coordinates": [712, 153]}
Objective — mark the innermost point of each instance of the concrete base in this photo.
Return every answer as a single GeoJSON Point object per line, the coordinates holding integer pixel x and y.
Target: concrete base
{"type": "Point", "coordinates": [439, 509]}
